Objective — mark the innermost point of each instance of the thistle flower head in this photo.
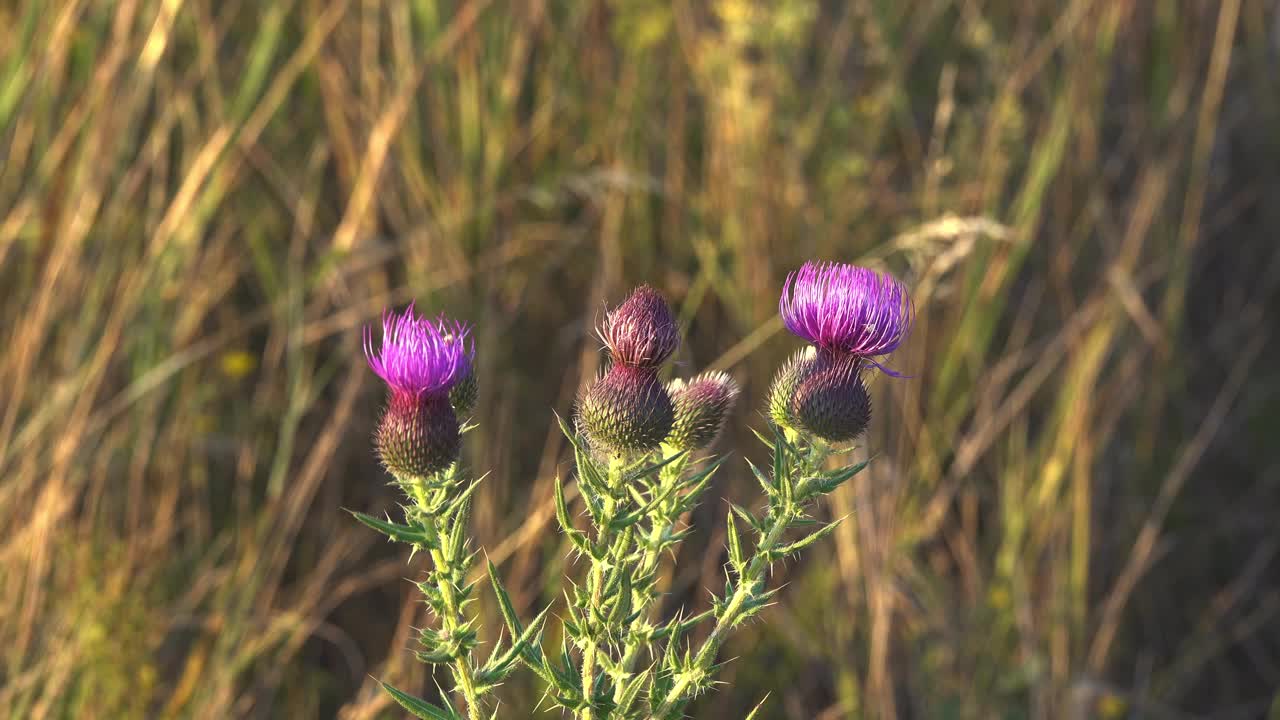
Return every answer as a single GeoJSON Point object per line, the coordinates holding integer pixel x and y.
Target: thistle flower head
{"type": "Point", "coordinates": [701, 405]}
{"type": "Point", "coordinates": [641, 332]}
{"type": "Point", "coordinates": [846, 309]}
{"type": "Point", "coordinates": [418, 436]}
{"type": "Point", "coordinates": [419, 356]}
{"type": "Point", "coordinates": [626, 410]}
{"type": "Point", "coordinates": [420, 360]}
{"type": "Point", "coordinates": [831, 401]}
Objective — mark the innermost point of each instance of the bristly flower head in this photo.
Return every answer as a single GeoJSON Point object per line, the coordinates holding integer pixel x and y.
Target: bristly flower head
{"type": "Point", "coordinates": [831, 401]}
{"type": "Point", "coordinates": [641, 332]}
{"type": "Point", "coordinates": [626, 410]}
{"type": "Point", "coordinates": [421, 360]}
{"type": "Point", "coordinates": [701, 405]}
{"type": "Point", "coordinates": [847, 309]}
{"type": "Point", "coordinates": [799, 366]}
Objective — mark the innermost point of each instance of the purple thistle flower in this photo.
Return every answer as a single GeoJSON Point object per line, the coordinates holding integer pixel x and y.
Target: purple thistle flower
{"type": "Point", "coordinates": [420, 360]}
{"type": "Point", "coordinates": [419, 356]}
{"type": "Point", "coordinates": [847, 309]}
{"type": "Point", "coordinates": [641, 332]}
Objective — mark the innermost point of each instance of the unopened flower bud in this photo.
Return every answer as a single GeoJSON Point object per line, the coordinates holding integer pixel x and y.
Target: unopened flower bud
{"type": "Point", "coordinates": [789, 376]}
{"type": "Point", "coordinates": [464, 395]}
{"type": "Point", "coordinates": [626, 409]}
{"type": "Point", "coordinates": [701, 405]}
{"type": "Point", "coordinates": [641, 332]}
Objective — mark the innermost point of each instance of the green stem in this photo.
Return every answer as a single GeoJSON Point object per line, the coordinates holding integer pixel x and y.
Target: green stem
{"type": "Point", "coordinates": [647, 565]}
{"type": "Point", "coordinates": [594, 611]}
{"type": "Point", "coordinates": [728, 619]}
{"type": "Point", "coordinates": [445, 568]}
{"type": "Point", "coordinates": [781, 517]}
{"type": "Point", "coordinates": [463, 673]}
{"type": "Point", "coordinates": [592, 646]}
{"type": "Point", "coordinates": [632, 648]}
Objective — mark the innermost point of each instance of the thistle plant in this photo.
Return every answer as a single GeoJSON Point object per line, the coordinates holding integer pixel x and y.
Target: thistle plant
{"type": "Point", "coordinates": [426, 365]}
{"type": "Point", "coordinates": [635, 446]}
{"type": "Point", "coordinates": [632, 445]}
{"type": "Point", "coordinates": [818, 401]}
{"type": "Point", "coordinates": [639, 449]}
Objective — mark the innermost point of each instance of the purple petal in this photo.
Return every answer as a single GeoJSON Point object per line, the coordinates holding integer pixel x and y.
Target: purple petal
{"type": "Point", "coordinates": [419, 356]}
{"type": "Point", "coordinates": [847, 309]}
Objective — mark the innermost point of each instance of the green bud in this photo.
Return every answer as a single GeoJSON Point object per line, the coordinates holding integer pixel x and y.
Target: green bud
{"type": "Point", "coordinates": [701, 405]}
{"type": "Point", "coordinates": [783, 390]}
{"type": "Point", "coordinates": [464, 394]}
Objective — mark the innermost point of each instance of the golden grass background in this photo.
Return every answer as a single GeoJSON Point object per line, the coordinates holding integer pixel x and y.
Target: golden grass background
{"type": "Point", "coordinates": [1073, 509]}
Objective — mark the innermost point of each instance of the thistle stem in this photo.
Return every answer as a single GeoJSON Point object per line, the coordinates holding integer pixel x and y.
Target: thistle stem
{"type": "Point", "coordinates": [632, 648]}
{"type": "Point", "coordinates": [591, 646]}
{"type": "Point", "coordinates": [781, 515]}
{"type": "Point", "coordinates": [594, 610]}
{"type": "Point", "coordinates": [453, 618]}
{"type": "Point", "coordinates": [647, 565]}
{"type": "Point", "coordinates": [727, 620]}
{"type": "Point", "coordinates": [445, 568]}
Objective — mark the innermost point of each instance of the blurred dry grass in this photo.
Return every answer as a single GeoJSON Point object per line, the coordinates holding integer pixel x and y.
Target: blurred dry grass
{"type": "Point", "coordinates": [1073, 511]}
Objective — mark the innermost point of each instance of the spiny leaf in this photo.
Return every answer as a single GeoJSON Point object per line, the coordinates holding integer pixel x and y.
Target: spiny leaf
{"type": "Point", "coordinates": [458, 503]}
{"type": "Point", "coordinates": [568, 431]}
{"type": "Point", "coordinates": [499, 665]}
{"type": "Point", "coordinates": [434, 657]}
{"type": "Point", "coordinates": [630, 692]}
{"type": "Point", "coordinates": [622, 603]}
{"type": "Point", "coordinates": [697, 485]}
{"type": "Point", "coordinates": [419, 707]}
{"type": "Point", "coordinates": [767, 442]}
{"type": "Point", "coordinates": [458, 534]}
{"type": "Point", "coordinates": [395, 531]}
{"type": "Point", "coordinates": [646, 507]}
{"type": "Point", "coordinates": [587, 470]}
{"type": "Point", "coordinates": [735, 545]}
{"type": "Point", "coordinates": [780, 477]}
{"type": "Point", "coordinates": [786, 485]}
{"type": "Point", "coordinates": [836, 478]}
{"type": "Point", "coordinates": [589, 474]}
{"type": "Point", "coordinates": [703, 476]}
{"type": "Point", "coordinates": [508, 610]}
{"type": "Point", "coordinates": [636, 494]}
{"type": "Point", "coordinates": [756, 711]}
{"type": "Point", "coordinates": [810, 539]}
{"type": "Point", "coordinates": [765, 482]}
{"type": "Point", "coordinates": [780, 440]}
{"type": "Point", "coordinates": [634, 475]}
{"type": "Point", "coordinates": [679, 626]}
{"type": "Point", "coordinates": [529, 637]}
{"type": "Point", "coordinates": [755, 603]}
{"type": "Point", "coordinates": [747, 517]}
{"type": "Point", "coordinates": [577, 537]}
